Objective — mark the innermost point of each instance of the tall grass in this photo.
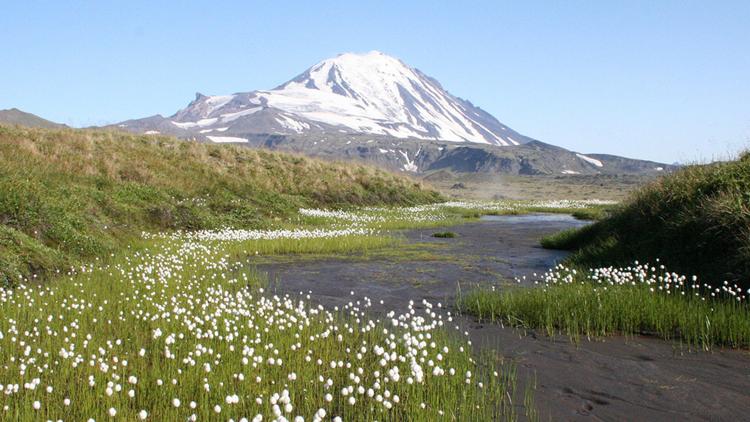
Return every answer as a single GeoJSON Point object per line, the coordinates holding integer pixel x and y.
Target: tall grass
{"type": "Point", "coordinates": [696, 220]}
{"type": "Point", "coordinates": [589, 310]}
{"type": "Point", "coordinates": [591, 212]}
{"type": "Point", "coordinates": [185, 321]}
{"type": "Point", "coordinates": [67, 196]}
{"type": "Point", "coordinates": [337, 245]}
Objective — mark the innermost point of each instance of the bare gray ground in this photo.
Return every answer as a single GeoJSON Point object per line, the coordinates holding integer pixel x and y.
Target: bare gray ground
{"type": "Point", "coordinates": [616, 378]}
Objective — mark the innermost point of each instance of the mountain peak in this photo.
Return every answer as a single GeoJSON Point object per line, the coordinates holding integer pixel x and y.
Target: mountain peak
{"type": "Point", "coordinates": [379, 94]}
{"type": "Point", "coordinates": [353, 93]}
{"type": "Point", "coordinates": [355, 71]}
{"type": "Point", "coordinates": [371, 53]}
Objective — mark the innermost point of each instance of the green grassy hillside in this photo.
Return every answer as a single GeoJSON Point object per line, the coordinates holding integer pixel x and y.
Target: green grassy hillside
{"type": "Point", "coordinates": [697, 221]}
{"type": "Point", "coordinates": [69, 195]}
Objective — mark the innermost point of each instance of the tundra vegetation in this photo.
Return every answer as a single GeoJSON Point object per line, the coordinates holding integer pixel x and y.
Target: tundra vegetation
{"type": "Point", "coordinates": [692, 225]}
{"type": "Point", "coordinates": [182, 330]}
{"type": "Point", "coordinates": [72, 195]}
{"type": "Point", "coordinates": [126, 291]}
{"type": "Point", "coordinates": [697, 220]}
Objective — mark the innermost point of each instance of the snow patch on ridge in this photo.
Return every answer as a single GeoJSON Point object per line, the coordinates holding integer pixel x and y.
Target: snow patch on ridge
{"type": "Point", "coordinates": [226, 139]}
{"type": "Point", "coordinates": [410, 165]}
{"type": "Point", "coordinates": [216, 102]}
{"type": "Point", "coordinates": [228, 117]}
{"type": "Point", "coordinates": [291, 124]}
{"type": "Point", "coordinates": [512, 141]}
{"type": "Point", "coordinates": [199, 123]}
{"type": "Point", "coordinates": [590, 160]}
{"type": "Point", "coordinates": [218, 129]}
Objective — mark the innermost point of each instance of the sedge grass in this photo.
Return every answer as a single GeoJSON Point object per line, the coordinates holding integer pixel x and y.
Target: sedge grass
{"type": "Point", "coordinates": [696, 219]}
{"type": "Point", "coordinates": [178, 329]}
{"type": "Point", "coordinates": [325, 246]}
{"type": "Point", "coordinates": [586, 309]}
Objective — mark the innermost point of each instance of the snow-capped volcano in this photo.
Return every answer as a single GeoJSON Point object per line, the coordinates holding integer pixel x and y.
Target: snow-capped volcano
{"type": "Point", "coordinates": [373, 107]}
{"type": "Point", "coordinates": [370, 93]}
{"type": "Point", "coordinates": [378, 94]}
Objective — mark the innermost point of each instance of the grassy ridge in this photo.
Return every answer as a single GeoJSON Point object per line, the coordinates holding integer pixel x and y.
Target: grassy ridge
{"type": "Point", "coordinates": [74, 194]}
{"type": "Point", "coordinates": [696, 220]}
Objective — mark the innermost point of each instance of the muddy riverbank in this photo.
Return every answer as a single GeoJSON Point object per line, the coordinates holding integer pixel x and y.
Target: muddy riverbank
{"type": "Point", "coordinates": [603, 379]}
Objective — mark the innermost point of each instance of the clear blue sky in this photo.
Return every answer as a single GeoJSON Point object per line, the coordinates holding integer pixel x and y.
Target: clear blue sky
{"type": "Point", "coordinates": [654, 79]}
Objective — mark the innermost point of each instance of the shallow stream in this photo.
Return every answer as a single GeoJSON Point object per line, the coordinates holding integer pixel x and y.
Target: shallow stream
{"type": "Point", "coordinates": [615, 378]}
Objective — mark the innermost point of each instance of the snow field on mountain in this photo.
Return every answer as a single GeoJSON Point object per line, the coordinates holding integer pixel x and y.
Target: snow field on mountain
{"type": "Point", "coordinates": [369, 93]}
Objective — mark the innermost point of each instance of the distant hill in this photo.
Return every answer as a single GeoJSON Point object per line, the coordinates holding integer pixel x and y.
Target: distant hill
{"type": "Point", "coordinates": [15, 116]}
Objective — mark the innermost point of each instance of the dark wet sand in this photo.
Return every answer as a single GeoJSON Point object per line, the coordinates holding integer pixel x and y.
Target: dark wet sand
{"type": "Point", "coordinates": [613, 379]}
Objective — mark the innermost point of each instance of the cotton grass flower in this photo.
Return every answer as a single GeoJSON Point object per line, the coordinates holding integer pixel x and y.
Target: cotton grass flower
{"type": "Point", "coordinates": [184, 318]}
